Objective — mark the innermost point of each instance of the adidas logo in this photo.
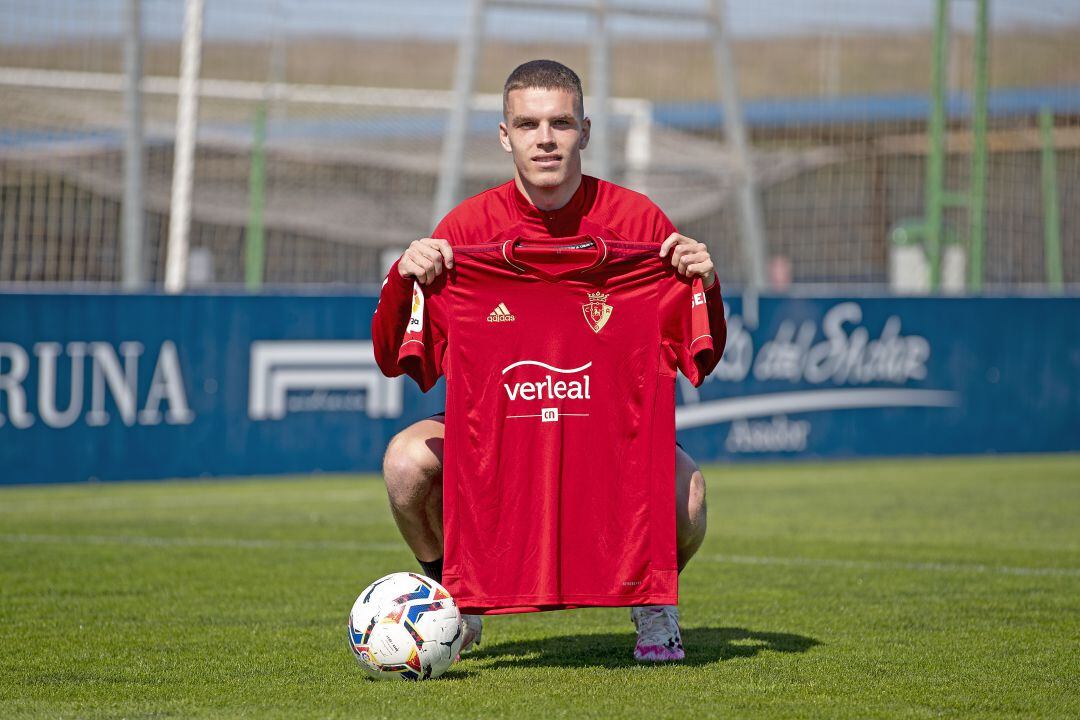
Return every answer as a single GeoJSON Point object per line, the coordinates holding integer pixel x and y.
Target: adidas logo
{"type": "Point", "coordinates": [501, 314]}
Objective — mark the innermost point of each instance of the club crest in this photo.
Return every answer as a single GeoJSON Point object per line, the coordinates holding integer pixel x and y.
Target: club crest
{"type": "Point", "coordinates": [597, 311]}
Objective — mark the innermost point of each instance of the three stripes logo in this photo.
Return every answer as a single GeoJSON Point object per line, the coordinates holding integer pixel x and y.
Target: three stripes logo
{"type": "Point", "coordinates": [501, 314]}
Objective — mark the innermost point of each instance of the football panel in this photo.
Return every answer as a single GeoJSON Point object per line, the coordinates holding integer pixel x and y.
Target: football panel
{"type": "Point", "coordinates": [445, 634]}
{"type": "Point", "coordinates": [391, 644]}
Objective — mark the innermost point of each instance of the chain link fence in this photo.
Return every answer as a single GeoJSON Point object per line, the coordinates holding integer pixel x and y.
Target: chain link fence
{"type": "Point", "coordinates": [356, 96]}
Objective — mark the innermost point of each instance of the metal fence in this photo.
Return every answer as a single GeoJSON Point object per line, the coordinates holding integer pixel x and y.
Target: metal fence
{"type": "Point", "coordinates": [321, 125]}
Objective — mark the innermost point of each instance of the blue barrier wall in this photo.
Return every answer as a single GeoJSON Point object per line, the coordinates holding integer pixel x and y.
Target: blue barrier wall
{"type": "Point", "coordinates": [892, 376]}
{"type": "Point", "coordinates": [118, 387]}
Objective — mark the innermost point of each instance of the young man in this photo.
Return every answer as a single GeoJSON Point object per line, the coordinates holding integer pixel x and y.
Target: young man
{"type": "Point", "coordinates": [544, 129]}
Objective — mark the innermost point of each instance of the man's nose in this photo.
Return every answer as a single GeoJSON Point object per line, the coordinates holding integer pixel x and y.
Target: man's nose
{"type": "Point", "coordinates": [545, 135]}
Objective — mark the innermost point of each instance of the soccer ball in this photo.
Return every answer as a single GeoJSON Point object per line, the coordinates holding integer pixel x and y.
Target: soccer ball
{"type": "Point", "coordinates": [405, 626]}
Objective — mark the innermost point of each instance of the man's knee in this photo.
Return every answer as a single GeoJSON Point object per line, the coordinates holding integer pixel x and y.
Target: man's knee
{"type": "Point", "coordinates": [410, 467]}
{"type": "Point", "coordinates": [695, 500]}
{"type": "Point", "coordinates": [690, 499]}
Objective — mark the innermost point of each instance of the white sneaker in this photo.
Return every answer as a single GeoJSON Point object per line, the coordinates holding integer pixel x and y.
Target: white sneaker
{"type": "Point", "coordinates": [474, 628]}
{"type": "Point", "coordinates": [658, 636]}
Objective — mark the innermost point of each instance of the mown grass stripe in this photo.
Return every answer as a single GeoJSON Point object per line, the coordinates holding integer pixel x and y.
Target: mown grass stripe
{"type": "Point", "coordinates": [890, 565]}
{"type": "Point", "coordinates": [238, 543]}
{"type": "Point", "coordinates": [269, 544]}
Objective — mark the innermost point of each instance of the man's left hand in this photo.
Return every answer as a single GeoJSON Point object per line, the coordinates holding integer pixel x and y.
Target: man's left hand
{"type": "Point", "coordinates": [690, 258]}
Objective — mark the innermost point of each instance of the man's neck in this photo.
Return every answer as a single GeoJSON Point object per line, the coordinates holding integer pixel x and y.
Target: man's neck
{"type": "Point", "coordinates": [548, 199]}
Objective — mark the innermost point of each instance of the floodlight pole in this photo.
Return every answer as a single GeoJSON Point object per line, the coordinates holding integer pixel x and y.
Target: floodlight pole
{"type": "Point", "coordinates": [187, 112]}
{"type": "Point", "coordinates": [133, 151]}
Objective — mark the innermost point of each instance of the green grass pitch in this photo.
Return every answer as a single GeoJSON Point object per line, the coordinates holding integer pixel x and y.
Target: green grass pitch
{"type": "Point", "coordinates": [922, 588]}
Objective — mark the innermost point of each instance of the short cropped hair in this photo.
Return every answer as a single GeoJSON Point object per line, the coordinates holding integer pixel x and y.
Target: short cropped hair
{"type": "Point", "coordinates": [545, 74]}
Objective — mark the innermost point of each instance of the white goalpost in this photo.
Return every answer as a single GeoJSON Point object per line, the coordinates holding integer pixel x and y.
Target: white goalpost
{"type": "Point", "coordinates": [187, 114]}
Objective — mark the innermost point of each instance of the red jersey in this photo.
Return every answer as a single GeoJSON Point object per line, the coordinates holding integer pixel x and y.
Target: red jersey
{"type": "Point", "coordinates": [560, 357]}
{"type": "Point", "coordinates": [559, 457]}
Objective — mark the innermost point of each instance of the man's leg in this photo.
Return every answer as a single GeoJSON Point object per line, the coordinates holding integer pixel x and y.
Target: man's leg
{"type": "Point", "coordinates": [690, 515]}
{"type": "Point", "coordinates": [412, 469]}
{"type": "Point", "coordinates": [658, 636]}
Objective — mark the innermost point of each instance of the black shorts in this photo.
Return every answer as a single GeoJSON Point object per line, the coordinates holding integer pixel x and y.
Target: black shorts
{"type": "Point", "coordinates": [442, 416]}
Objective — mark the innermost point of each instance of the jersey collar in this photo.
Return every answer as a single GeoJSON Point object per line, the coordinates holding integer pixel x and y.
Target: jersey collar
{"type": "Point", "coordinates": [597, 258]}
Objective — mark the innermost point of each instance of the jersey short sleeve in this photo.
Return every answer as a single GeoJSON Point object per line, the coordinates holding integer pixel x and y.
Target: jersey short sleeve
{"type": "Point", "coordinates": [684, 329]}
{"type": "Point", "coordinates": [423, 346]}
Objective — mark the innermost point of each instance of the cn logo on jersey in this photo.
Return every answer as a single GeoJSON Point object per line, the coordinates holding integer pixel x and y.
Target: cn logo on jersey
{"type": "Point", "coordinates": [555, 384]}
{"type": "Point", "coordinates": [306, 376]}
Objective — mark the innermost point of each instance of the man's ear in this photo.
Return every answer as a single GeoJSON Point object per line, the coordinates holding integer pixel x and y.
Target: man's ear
{"type": "Point", "coordinates": [504, 137]}
{"type": "Point", "coordinates": [586, 128]}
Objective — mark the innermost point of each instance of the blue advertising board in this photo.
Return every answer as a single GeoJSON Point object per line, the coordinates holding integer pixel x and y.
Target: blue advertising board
{"type": "Point", "coordinates": [836, 377]}
{"type": "Point", "coordinates": [114, 387]}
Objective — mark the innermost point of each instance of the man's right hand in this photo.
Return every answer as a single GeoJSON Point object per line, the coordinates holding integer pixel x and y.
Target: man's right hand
{"type": "Point", "coordinates": [425, 259]}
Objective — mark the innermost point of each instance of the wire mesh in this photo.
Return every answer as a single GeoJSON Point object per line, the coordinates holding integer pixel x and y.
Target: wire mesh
{"type": "Point", "coordinates": [836, 97]}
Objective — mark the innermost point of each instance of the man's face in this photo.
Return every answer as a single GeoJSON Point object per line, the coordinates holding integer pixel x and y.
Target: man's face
{"type": "Point", "coordinates": [544, 133]}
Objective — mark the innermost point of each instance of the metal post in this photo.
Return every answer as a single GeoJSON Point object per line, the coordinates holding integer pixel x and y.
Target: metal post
{"type": "Point", "coordinates": [254, 255]}
{"type": "Point", "coordinates": [452, 164]}
{"type": "Point", "coordinates": [601, 94]}
{"type": "Point", "coordinates": [977, 206]}
{"type": "Point", "coordinates": [133, 150]}
{"type": "Point", "coordinates": [187, 113]}
{"type": "Point", "coordinates": [935, 165]}
{"type": "Point", "coordinates": [255, 238]}
{"type": "Point", "coordinates": [1051, 213]}
{"type": "Point", "coordinates": [751, 217]}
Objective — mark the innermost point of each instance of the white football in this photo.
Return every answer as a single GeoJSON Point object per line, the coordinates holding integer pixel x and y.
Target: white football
{"type": "Point", "coordinates": [405, 626]}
